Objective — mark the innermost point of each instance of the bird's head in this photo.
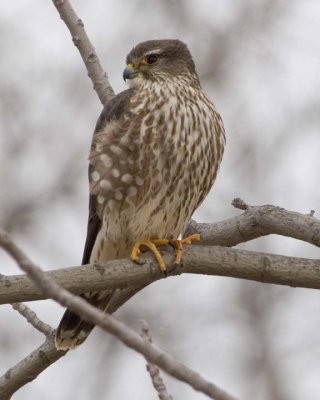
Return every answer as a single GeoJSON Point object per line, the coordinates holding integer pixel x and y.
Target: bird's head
{"type": "Point", "coordinates": [159, 60]}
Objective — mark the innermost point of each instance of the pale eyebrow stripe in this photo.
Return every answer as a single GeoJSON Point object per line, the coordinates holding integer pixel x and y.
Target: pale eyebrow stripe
{"type": "Point", "coordinates": [155, 51]}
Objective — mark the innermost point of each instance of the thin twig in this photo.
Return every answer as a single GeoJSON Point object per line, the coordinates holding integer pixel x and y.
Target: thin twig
{"type": "Point", "coordinates": [32, 318]}
{"type": "Point", "coordinates": [240, 204]}
{"type": "Point", "coordinates": [153, 370]}
{"type": "Point", "coordinates": [111, 325]}
{"type": "Point", "coordinates": [90, 58]}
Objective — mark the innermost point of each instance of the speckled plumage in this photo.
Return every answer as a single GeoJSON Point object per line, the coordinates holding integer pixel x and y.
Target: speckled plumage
{"type": "Point", "coordinates": [155, 154]}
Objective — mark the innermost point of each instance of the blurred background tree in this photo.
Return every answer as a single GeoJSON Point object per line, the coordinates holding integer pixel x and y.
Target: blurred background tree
{"type": "Point", "coordinates": [259, 61]}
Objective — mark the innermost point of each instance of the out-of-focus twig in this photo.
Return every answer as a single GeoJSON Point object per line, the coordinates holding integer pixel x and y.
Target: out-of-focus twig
{"type": "Point", "coordinates": [153, 370]}
{"type": "Point", "coordinates": [32, 318]}
{"type": "Point", "coordinates": [80, 38]}
{"type": "Point", "coordinates": [110, 324]}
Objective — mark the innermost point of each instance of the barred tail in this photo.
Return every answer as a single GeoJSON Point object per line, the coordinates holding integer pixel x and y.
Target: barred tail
{"type": "Point", "coordinates": [72, 330]}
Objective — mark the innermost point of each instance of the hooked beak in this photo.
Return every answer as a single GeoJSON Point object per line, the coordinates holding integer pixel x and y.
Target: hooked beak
{"type": "Point", "coordinates": [129, 72]}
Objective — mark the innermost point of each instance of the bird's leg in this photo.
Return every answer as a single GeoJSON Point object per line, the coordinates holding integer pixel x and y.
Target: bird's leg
{"type": "Point", "coordinates": [152, 246]}
{"type": "Point", "coordinates": [177, 245]}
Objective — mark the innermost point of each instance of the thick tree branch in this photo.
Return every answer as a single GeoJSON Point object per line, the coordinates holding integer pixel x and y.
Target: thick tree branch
{"type": "Point", "coordinates": [110, 324]}
{"type": "Point", "coordinates": [198, 259]}
{"type": "Point", "coordinates": [80, 38]}
{"type": "Point", "coordinates": [255, 222]}
{"type": "Point", "coordinates": [204, 260]}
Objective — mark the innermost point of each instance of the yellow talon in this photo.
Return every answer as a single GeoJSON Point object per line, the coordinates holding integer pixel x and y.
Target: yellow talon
{"type": "Point", "coordinates": [177, 245]}
{"type": "Point", "coordinates": [152, 246]}
{"type": "Point", "coordinates": [191, 238]}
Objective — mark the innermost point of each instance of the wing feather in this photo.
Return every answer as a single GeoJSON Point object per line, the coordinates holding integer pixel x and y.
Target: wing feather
{"type": "Point", "coordinates": [112, 112]}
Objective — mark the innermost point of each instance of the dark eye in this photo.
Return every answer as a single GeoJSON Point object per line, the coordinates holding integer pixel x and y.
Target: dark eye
{"type": "Point", "coordinates": [152, 58]}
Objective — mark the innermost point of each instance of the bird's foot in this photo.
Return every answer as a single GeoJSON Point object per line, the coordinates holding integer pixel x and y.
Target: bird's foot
{"type": "Point", "coordinates": [152, 246]}
{"type": "Point", "coordinates": [178, 244]}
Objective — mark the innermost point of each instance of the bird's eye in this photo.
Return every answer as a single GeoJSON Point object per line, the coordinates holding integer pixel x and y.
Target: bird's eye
{"type": "Point", "coordinates": [152, 58]}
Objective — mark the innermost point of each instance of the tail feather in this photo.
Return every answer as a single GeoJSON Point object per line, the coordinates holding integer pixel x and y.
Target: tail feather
{"type": "Point", "coordinates": [72, 330]}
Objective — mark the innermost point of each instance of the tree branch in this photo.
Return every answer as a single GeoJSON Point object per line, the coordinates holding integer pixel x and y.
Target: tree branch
{"type": "Point", "coordinates": [153, 370]}
{"type": "Point", "coordinates": [40, 359]}
{"type": "Point", "coordinates": [89, 56]}
{"type": "Point", "coordinates": [255, 222]}
{"type": "Point", "coordinates": [29, 368]}
{"type": "Point", "coordinates": [204, 260]}
{"type": "Point", "coordinates": [32, 318]}
{"type": "Point", "coordinates": [110, 324]}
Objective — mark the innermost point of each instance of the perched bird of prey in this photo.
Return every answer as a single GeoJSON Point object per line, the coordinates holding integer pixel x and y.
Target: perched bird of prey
{"type": "Point", "coordinates": [155, 154]}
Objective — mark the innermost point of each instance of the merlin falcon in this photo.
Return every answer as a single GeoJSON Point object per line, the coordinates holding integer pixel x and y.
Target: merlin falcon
{"type": "Point", "coordinates": [155, 154]}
